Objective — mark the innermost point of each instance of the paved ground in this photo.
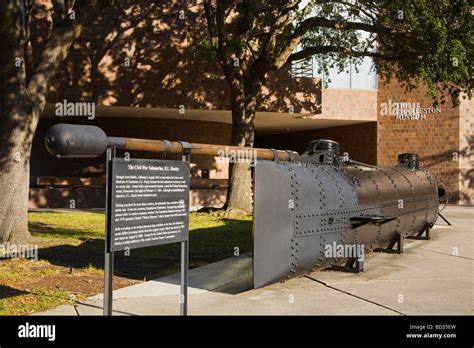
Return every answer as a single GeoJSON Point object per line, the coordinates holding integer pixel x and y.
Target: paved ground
{"type": "Point", "coordinates": [430, 277]}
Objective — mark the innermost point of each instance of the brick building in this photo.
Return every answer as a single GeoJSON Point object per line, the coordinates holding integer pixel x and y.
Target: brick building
{"type": "Point", "coordinates": [145, 70]}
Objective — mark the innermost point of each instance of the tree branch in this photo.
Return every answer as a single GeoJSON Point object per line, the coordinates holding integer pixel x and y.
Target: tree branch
{"type": "Point", "coordinates": [310, 51]}
{"type": "Point", "coordinates": [59, 12]}
{"type": "Point", "coordinates": [315, 22]}
{"type": "Point", "coordinates": [210, 11]}
{"type": "Point", "coordinates": [55, 52]}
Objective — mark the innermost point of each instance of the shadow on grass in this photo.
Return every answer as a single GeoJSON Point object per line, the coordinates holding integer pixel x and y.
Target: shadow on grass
{"type": "Point", "coordinates": [6, 291]}
{"type": "Point", "coordinates": [41, 230]}
{"type": "Point", "coordinates": [206, 245]}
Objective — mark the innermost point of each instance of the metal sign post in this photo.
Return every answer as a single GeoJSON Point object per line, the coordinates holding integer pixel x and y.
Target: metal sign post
{"type": "Point", "coordinates": [183, 298]}
{"type": "Point", "coordinates": [109, 254]}
{"type": "Point", "coordinates": [147, 204]}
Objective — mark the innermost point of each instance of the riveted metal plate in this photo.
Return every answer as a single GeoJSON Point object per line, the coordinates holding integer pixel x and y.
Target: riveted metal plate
{"type": "Point", "coordinates": [312, 222]}
{"type": "Point", "coordinates": [273, 222]}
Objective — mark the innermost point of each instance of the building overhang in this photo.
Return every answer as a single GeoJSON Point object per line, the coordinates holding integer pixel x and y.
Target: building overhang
{"type": "Point", "coordinates": [341, 108]}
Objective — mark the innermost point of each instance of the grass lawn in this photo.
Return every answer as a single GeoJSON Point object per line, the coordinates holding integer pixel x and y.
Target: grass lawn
{"type": "Point", "coordinates": [71, 257]}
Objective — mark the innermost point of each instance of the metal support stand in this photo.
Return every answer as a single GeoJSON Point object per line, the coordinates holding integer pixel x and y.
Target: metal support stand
{"type": "Point", "coordinates": [109, 273]}
{"type": "Point", "coordinates": [183, 298]}
{"type": "Point", "coordinates": [425, 230]}
{"type": "Point", "coordinates": [398, 240]}
{"type": "Point", "coordinates": [109, 254]}
{"type": "Point", "coordinates": [353, 265]}
{"type": "Point", "coordinates": [442, 217]}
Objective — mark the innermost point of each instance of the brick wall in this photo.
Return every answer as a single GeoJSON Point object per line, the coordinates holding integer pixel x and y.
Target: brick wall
{"type": "Point", "coordinates": [435, 139]}
{"type": "Point", "coordinates": [359, 140]}
{"type": "Point", "coordinates": [143, 53]}
{"type": "Point", "coordinates": [349, 104]}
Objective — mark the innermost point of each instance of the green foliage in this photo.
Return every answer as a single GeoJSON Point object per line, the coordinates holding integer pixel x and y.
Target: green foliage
{"type": "Point", "coordinates": [427, 41]}
{"type": "Point", "coordinates": [416, 41]}
{"type": "Point", "coordinates": [205, 49]}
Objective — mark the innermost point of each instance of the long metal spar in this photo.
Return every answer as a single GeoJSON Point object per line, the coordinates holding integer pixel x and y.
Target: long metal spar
{"type": "Point", "coordinates": [68, 141]}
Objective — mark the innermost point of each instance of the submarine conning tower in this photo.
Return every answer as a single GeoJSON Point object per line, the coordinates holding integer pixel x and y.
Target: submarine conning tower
{"type": "Point", "coordinates": [408, 160]}
{"type": "Point", "coordinates": [321, 151]}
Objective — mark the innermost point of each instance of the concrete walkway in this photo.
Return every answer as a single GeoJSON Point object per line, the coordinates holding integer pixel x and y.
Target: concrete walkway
{"type": "Point", "coordinates": [430, 277]}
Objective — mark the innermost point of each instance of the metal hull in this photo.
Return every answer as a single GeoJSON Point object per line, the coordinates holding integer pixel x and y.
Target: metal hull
{"type": "Point", "coordinates": [300, 209]}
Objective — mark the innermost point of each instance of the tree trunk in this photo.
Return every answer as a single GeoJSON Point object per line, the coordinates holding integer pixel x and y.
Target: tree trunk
{"type": "Point", "coordinates": [240, 189]}
{"type": "Point", "coordinates": [22, 100]}
{"type": "Point", "coordinates": [16, 134]}
{"type": "Point", "coordinates": [16, 126]}
{"type": "Point", "coordinates": [14, 186]}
